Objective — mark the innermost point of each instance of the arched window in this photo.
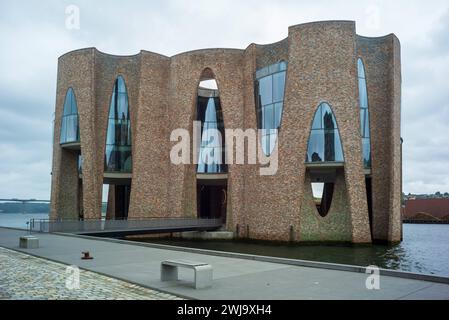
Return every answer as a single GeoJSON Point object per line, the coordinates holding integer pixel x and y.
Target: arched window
{"type": "Point", "coordinates": [70, 132]}
{"type": "Point", "coordinates": [364, 115]}
{"type": "Point", "coordinates": [208, 112]}
{"type": "Point", "coordinates": [324, 141]}
{"type": "Point", "coordinates": [118, 156]}
{"type": "Point", "coordinates": [270, 87]}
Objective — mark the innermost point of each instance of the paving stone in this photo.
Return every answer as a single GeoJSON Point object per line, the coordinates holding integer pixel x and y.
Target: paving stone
{"type": "Point", "coordinates": [24, 277]}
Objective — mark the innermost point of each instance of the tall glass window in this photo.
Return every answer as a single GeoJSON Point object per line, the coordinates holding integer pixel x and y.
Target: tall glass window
{"type": "Point", "coordinates": [211, 155]}
{"type": "Point", "coordinates": [270, 87]}
{"type": "Point", "coordinates": [118, 157]}
{"type": "Point", "coordinates": [324, 141]}
{"type": "Point", "coordinates": [70, 132]}
{"type": "Point", "coordinates": [364, 115]}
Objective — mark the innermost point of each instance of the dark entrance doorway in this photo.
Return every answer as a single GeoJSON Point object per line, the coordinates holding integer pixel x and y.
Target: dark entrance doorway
{"type": "Point", "coordinates": [122, 195]}
{"type": "Point", "coordinates": [80, 200]}
{"type": "Point", "coordinates": [369, 200]}
{"type": "Point", "coordinates": [118, 201]}
{"type": "Point", "coordinates": [212, 199]}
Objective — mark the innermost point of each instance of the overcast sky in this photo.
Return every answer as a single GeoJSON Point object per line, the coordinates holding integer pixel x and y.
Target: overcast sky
{"type": "Point", "coordinates": [33, 35]}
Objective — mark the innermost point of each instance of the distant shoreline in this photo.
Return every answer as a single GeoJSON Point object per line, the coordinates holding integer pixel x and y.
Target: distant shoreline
{"type": "Point", "coordinates": [425, 221]}
{"type": "Point", "coordinates": [24, 212]}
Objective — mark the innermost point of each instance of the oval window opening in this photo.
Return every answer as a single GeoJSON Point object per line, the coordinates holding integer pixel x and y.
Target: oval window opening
{"type": "Point", "coordinates": [322, 196]}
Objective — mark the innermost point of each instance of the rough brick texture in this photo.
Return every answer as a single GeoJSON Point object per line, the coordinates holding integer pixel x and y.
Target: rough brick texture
{"type": "Point", "coordinates": [322, 66]}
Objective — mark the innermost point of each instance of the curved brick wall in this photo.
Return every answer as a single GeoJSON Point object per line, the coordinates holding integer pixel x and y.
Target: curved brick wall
{"type": "Point", "coordinates": [322, 66]}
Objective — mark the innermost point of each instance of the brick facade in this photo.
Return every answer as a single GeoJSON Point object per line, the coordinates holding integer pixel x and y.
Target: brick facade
{"type": "Point", "coordinates": [322, 67]}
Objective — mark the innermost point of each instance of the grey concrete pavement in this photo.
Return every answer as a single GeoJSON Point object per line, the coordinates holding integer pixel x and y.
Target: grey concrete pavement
{"type": "Point", "coordinates": [234, 278]}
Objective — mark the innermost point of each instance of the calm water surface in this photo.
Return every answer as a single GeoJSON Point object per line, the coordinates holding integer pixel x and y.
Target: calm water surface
{"type": "Point", "coordinates": [425, 248]}
{"type": "Point", "coordinates": [19, 220]}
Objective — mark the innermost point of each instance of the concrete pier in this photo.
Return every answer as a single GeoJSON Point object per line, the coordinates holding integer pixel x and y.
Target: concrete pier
{"type": "Point", "coordinates": [212, 235]}
{"type": "Point", "coordinates": [235, 278]}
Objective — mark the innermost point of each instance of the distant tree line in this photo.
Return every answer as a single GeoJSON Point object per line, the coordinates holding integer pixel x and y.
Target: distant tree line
{"type": "Point", "coordinates": [436, 195]}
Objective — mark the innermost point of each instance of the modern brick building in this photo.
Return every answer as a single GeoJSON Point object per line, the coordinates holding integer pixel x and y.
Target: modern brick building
{"type": "Point", "coordinates": [328, 100]}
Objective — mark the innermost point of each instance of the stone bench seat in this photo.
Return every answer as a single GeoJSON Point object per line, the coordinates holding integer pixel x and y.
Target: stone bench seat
{"type": "Point", "coordinates": [29, 242]}
{"type": "Point", "coordinates": [203, 272]}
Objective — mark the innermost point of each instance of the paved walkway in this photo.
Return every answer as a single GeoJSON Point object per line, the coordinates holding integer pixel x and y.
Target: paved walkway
{"type": "Point", "coordinates": [25, 277]}
{"type": "Point", "coordinates": [234, 278]}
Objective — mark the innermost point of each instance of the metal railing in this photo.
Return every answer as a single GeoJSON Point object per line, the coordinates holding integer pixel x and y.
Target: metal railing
{"type": "Point", "coordinates": [102, 225]}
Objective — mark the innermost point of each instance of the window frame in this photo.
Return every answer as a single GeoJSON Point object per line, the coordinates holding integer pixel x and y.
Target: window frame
{"type": "Point", "coordinates": [265, 72]}
{"type": "Point", "coordinates": [200, 115]}
{"type": "Point", "coordinates": [71, 114]}
{"type": "Point", "coordinates": [322, 130]}
{"type": "Point", "coordinates": [112, 123]}
{"type": "Point", "coordinates": [365, 123]}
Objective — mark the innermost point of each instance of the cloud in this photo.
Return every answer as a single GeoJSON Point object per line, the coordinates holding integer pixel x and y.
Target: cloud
{"type": "Point", "coordinates": [426, 110]}
{"type": "Point", "coordinates": [33, 36]}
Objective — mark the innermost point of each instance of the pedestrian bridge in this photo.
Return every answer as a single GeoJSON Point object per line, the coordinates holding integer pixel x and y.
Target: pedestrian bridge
{"type": "Point", "coordinates": [120, 228]}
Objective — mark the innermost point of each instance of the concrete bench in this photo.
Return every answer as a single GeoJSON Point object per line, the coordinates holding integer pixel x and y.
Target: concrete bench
{"type": "Point", "coordinates": [29, 242]}
{"type": "Point", "coordinates": [203, 272]}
